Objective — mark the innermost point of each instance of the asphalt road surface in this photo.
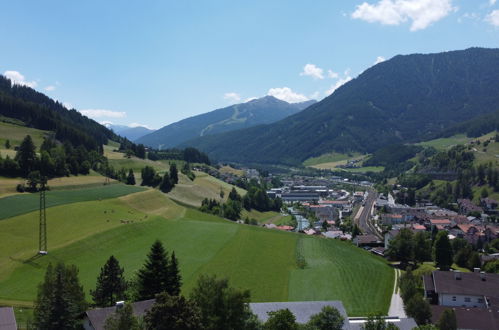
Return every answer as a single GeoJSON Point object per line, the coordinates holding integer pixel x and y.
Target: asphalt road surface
{"type": "Point", "coordinates": [364, 220]}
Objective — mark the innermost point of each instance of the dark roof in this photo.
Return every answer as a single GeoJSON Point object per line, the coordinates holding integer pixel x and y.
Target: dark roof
{"type": "Point", "coordinates": [469, 284]}
{"type": "Point", "coordinates": [98, 316]}
{"type": "Point", "coordinates": [7, 319]}
{"type": "Point", "coordinates": [428, 283]}
{"type": "Point", "coordinates": [470, 318]}
{"type": "Point", "coordinates": [302, 310]}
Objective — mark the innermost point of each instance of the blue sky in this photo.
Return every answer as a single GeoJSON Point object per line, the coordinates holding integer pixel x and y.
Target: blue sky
{"type": "Point", "coordinates": [157, 62]}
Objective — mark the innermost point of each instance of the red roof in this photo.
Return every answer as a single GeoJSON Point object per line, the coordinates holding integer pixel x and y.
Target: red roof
{"type": "Point", "coordinates": [284, 228]}
{"type": "Point", "coordinates": [418, 227]}
{"type": "Point", "coordinates": [440, 221]}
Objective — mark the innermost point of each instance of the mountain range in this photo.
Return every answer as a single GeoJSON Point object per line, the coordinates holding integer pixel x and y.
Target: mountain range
{"type": "Point", "coordinates": [264, 110]}
{"type": "Point", "coordinates": [408, 98]}
{"type": "Point", "coordinates": [131, 133]}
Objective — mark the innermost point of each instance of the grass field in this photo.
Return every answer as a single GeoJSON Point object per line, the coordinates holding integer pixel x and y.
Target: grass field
{"type": "Point", "coordinates": [204, 186]}
{"type": "Point", "coordinates": [231, 170]}
{"type": "Point", "coordinates": [333, 165]}
{"type": "Point", "coordinates": [332, 157]}
{"type": "Point", "coordinates": [265, 217]}
{"type": "Point", "coordinates": [261, 260]}
{"type": "Point", "coordinates": [15, 134]}
{"type": "Point", "coordinates": [19, 204]}
{"type": "Point", "coordinates": [365, 169]}
{"type": "Point", "coordinates": [338, 270]}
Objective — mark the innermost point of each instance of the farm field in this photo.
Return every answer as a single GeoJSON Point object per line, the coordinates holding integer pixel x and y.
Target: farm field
{"type": "Point", "coordinates": [341, 271]}
{"type": "Point", "coordinates": [332, 157]}
{"type": "Point", "coordinates": [254, 258]}
{"type": "Point", "coordinates": [365, 169]}
{"type": "Point", "coordinates": [204, 186]}
{"type": "Point", "coordinates": [265, 217]}
{"type": "Point", "coordinates": [446, 143]}
{"type": "Point", "coordinates": [23, 203]}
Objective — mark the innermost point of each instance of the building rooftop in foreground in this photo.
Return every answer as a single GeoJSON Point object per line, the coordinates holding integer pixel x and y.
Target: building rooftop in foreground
{"type": "Point", "coordinates": [302, 310]}
{"type": "Point", "coordinates": [7, 319]}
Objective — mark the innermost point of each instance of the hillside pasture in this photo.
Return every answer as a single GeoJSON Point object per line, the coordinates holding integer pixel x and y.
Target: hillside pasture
{"type": "Point", "coordinates": [254, 258]}
{"type": "Point", "coordinates": [446, 143]}
{"type": "Point", "coordinates": [340, 271]}
{"type": "Point", "coordinates": [11, 206]}
{"type": "Point", "coordinates": [16, 133]}
{"type": "Point", "coordinates": [204, 186]}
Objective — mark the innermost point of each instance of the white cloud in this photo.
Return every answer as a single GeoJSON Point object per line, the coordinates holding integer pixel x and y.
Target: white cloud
{"type": "Point", "coordinates": [67, 105]}
{"type": "Point", "coordinates": [17, 78]}
{"type": "Point", "coordinates": [314, 95]}
{"type": "Point", "coordinates": [340, 82]}
{"type": "Point", "coordinates": [379, 59]}
{"type": "Point", "coordinates": [106, 123]}
{"type": "Point", "coordinates": [233, 97]}
{"type": "Point", "coordinates": [422, 13]}
{"type": "Point", "coordinates": [138, 125]}
{"type": "Point", "coordinates": [492, 2]}
{"type": "Point", "coordinates": [250, 99]}
{"type": "Point", "coordinates": [50, 88]}
{"type": "Point", "coordinates": [286, 94]}
{"type": "Point", "coordinates": [98, 113]}
{"type": "Point", "coordinates": [331, 74]}
{"type": "Point", "coordinates": [493, 17]}
{"type": "Point", "coordinates": [313, 71]}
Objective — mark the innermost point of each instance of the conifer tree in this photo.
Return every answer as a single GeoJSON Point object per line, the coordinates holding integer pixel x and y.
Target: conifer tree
{"type": "Point", "coordinates": [173, 313]}
{"type": "Point", "coordinates": [174, 278]}
{"type": "Point", "coordinates": [153, 276]}
{"type": "Point", "coordinates": [111, 284]}
{"type": "Point", "coordinates": [173, 174]}
{"type": "Point", "coordinates": [442, 251]}
{"type": "Point", "coordinates": [61, 300]}
{"type": "Point", "coordinates": [130, 178]}
{"type": "Point", "coordinates": [166, 184]}
{"type": "Point", "coordinates": [26, 155]}
{"type": "Point", "coordinates": [122, 319]}
{"type": "Point", "coordinates": [7, 144]}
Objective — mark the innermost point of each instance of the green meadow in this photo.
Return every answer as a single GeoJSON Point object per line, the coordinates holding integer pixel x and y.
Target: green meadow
{"type": "Point", "coordinates": [86, 232]}
{"type": "Point", "coordinates": [23, 203]}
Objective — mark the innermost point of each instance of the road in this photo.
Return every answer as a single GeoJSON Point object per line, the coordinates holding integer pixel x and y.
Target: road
{"type": "Point", "coordinates": [364, 219]}
{"type": "Point", "coordinates": [396, 304]}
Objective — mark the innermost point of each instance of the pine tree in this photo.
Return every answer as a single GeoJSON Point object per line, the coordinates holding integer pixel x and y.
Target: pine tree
{"type": "Point", "coordinates": [174, 277]}
{"type": "Point", "coordinates": [61, 300]}
{"type": "Point", "coordinates": [442, 251]}
{"type": "Point", "coordinates": [122, 319]}
{"type": "Point", "coordinates": [130, 179]}
{"type": "Point", "coordinates": [26, 155]}
{"type": "Point", "coordinates": [173, 174]}
{"type": "Point", "coordinates": [173, 313]}
{"type": "Point", "coordinates": [7, 144]}
{"type": "Point", "coordinates": [111, 284]}
{"type": "Point", "coordinates": [166, 184]}
{"type": "Point", "coordinates": [153, 276]}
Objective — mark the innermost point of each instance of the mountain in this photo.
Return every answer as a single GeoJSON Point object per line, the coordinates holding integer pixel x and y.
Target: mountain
{"type": "Point", "coordinates": [39, 111]}
{"type": "Point", "coordinates": [265, 110]}
{"type": "Point", "coordinates": [405, 99]}
{"type": "Point", "coordinates": [131, 133]}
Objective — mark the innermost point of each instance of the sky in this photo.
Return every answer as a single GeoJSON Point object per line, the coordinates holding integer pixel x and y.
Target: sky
{"type": "Point", "coordinates": [152, 63]}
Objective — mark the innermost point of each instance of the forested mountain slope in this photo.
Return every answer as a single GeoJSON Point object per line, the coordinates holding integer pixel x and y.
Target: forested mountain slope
{"type": "Point", "coordinates": [265, 110]}
{"type": "Point", "coordinates": [405, 99]}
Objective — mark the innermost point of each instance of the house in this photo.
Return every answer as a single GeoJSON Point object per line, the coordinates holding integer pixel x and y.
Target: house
{"type": "Point", "coordinates": [367, 240]}
{"type": "Point", "coordinates": [440, 224]}
{"type": "Point", "coordinates": [95, 319]}
{"type": "Point", "coordinates": [389, 236]}
{"type": "Point", "coordinates": [7, 319]}
{"type": "Point", "coordinates": [302, 310]}
{"type": "Point", "coordinates": [474, 297]}
{"type": "Point", "coordinates": [299, 197]}
{"type": "Point", "coordinates": [462, 289]}
{"type": "Point", "coordinates": [489, 204]}
{"type": "Point", "coordinates": [466, 206]}
{"type": "Point", "coordinates": [417, 228]}
{"type": "Point", "coordinates": [357, 323]}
